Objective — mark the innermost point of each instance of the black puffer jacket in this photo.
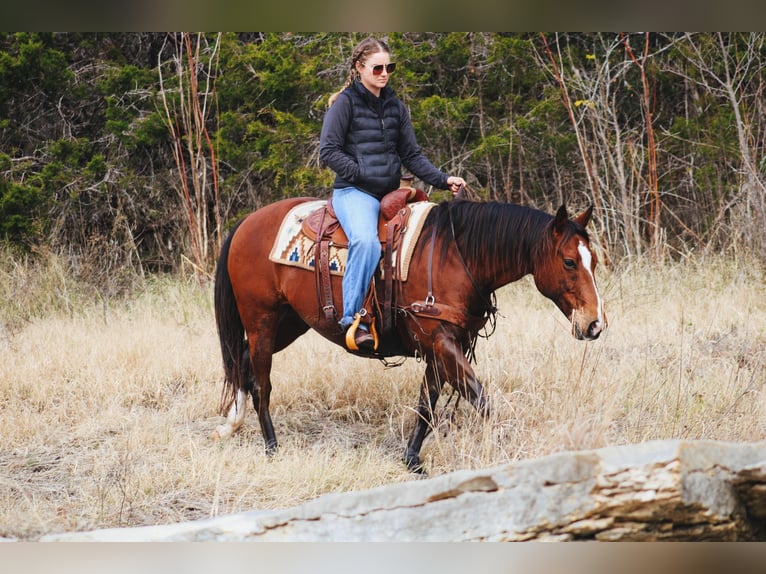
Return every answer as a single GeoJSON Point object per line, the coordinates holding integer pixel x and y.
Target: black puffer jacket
{"type": "Point", "coordinates": [366, 139]}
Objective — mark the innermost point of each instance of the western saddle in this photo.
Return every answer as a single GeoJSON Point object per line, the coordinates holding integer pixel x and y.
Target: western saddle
{"type": "Point", "coordinates": [323, 228]}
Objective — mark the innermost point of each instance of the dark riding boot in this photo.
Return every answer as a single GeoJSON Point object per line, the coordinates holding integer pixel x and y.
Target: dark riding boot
{"type": "Point", "coordinates": [364, 339]}
{"type": "Point", "coordinates": [359, 338]}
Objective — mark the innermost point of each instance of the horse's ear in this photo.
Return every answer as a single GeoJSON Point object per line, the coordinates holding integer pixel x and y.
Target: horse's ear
{"type": "Point", "coordinates": [584, 217]}
{"type": "Point", "coordinates": [562, 218]}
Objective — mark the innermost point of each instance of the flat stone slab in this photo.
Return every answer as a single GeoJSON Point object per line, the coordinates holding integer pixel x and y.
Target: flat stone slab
{"type": "Point", "coordinates": [661, 490]}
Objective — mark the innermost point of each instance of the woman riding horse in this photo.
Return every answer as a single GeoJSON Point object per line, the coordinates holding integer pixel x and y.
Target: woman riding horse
{"type": "Point", "coordinates": [465, 252]}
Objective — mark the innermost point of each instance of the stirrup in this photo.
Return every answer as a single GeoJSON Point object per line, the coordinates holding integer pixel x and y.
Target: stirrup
{"type": "Point", "coordinates": [351, 334]}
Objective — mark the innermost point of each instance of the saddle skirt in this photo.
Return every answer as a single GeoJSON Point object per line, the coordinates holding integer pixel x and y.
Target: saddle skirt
{"type": "Point", "coordinates": [295, 244]}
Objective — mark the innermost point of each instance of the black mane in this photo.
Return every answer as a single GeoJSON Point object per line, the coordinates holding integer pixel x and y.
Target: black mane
{"type": "Point", "coordinates": [494, 236]}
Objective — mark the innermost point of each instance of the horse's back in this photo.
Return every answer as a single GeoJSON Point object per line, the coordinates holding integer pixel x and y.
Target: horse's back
{"type": "Point", "coordinates": [258, 230]}
{"type": "Point", "coordinates": [270, 216]}
{"type": "Point", "coordinates": [254, 276]}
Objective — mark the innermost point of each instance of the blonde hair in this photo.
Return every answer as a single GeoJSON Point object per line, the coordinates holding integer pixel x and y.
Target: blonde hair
{"type": "Point", "coordinates": [360, 54]}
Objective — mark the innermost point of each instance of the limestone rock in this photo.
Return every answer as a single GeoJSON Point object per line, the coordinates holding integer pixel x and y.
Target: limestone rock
{"type": "Point", "coordinates": [664, 490]}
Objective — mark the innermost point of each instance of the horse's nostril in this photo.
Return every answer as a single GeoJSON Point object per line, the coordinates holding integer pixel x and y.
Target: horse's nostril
{"type": "Point", "coordinates": [594, 329]}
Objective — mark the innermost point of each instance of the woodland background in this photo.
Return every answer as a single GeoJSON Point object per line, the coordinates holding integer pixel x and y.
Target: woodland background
{"type": "Point", "coordinates": [126, 158]}
{"type": "Point", "coordinates": [133, 153]}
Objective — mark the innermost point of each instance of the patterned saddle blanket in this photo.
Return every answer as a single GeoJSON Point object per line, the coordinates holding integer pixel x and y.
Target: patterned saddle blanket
{"type": "Point", "coordinates": [294, 247]}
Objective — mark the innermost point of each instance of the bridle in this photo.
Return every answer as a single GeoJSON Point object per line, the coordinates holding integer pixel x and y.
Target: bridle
{"type": "Point", "coordinates": [489, 303]}
{"type": "Point", "coordinates": [436, 310]}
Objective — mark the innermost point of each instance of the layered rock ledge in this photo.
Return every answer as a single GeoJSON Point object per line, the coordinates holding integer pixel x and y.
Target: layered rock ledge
{"type": "Point", "coordinates": [664, 490]}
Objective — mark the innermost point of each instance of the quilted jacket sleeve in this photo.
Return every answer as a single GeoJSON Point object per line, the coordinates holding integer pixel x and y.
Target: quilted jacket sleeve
{"type": "Point", "coordinates": [412, 155]}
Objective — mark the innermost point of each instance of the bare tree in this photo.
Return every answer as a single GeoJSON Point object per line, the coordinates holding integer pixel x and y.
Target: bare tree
{"type": "Point", "coordinates": [647, 105]}
{"type": "Point", "coordinates": [556, 64]}
{"type": "Point", "coordinates": [612, 149]}
{"type": "Point", "coordinates": [727, 65]}
{"type": "Point", "coordinates": [187, 107]}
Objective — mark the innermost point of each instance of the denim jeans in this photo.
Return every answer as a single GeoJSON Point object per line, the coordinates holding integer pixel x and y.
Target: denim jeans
{"type": "Point", "coordinates": [357, 213]}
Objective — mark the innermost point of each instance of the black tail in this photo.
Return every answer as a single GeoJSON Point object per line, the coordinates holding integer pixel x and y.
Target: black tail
{"type": "Point", "coordinates": [231, 331]}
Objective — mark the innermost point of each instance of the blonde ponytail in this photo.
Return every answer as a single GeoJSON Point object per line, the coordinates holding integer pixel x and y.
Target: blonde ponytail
{"type": "Point", "coordinates": [362, 51]}
{"type": "Point", "coordinates": [354, 75]}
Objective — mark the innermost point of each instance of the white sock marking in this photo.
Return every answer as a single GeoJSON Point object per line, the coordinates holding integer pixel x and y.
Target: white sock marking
{"type": "Point", "coordinates": [234, 418]}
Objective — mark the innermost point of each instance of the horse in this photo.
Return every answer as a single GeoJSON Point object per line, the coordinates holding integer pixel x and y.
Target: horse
{"type": "Point", "coordinates": [465, 252]}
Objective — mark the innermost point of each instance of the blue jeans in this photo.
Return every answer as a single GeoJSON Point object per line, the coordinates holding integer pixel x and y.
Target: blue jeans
{"type": "Point", "coordinates": [357, 213]}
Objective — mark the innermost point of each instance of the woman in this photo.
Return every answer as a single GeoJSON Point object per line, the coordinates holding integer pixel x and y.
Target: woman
{"type": "Point", "coordinates": [367, 136]}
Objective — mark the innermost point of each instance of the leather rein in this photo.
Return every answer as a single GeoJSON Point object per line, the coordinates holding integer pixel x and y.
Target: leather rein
{"type": "Point", "coordinates": [432, 309]}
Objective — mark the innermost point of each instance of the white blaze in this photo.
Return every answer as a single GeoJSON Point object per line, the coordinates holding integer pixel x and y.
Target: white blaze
{"type": "Point", "coordinates": [587, 259]}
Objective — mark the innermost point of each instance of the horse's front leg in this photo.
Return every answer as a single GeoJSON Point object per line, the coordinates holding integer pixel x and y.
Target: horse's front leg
{"type": "Point", "coordinates": [454, 368]}
{"type": "Point", "coordinates": [447, 363]}
{"type": "Point", "coordinates": [429, 394]}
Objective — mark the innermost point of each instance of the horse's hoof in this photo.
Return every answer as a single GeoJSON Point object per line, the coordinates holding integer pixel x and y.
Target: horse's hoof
{"type": "Point", "coordinates": [415, 466]}
{"type": "Point", "coordinates": [482, 407]}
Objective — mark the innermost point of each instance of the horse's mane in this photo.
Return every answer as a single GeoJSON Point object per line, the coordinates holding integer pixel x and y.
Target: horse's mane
{"type": "Point", "coordinates": [494, 235]}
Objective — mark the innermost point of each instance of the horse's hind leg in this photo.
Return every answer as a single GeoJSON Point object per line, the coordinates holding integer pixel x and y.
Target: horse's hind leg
{"type": "Point", "coordinates": [236, 415]}
{"type": "Point", "coordinates": [264, 416]}
{"type": "Point", "coordinates": [271, 337]}
{"type": "Point", "coordinates": [261, 342]}
{"type": "Point", "coordinates": [429, 394]}
{"type": "Point", "coordinates": [273, 333]}
{"type": "Point", "coordinates": [234, 418]}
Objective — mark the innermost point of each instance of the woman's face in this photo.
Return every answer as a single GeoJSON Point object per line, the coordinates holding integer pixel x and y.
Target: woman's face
{"type": "Point", "coordinates": [372, 81]}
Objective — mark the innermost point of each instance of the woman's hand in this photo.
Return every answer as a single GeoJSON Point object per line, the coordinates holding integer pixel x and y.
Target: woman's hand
{"type": "Point", "coordinates": [455, 183]}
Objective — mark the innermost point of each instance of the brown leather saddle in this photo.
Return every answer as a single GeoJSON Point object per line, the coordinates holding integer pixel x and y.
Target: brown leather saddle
{"type": "Point", "coordinates": [323, 223]}
{"type": "Point", "coordinates": [323, 228]}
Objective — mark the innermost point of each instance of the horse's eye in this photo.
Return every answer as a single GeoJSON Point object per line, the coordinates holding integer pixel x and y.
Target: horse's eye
{"type": "Point", "coordinates": [570, 264]}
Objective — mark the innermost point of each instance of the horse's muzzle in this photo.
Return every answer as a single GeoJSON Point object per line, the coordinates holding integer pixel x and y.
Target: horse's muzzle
{"type": "Point", "coordinates": [591, 332]}
{"type": "Point", "coordinates": [595, 329]}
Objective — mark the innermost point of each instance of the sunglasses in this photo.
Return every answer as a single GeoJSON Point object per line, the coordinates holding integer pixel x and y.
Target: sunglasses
{"type": "Point", "coordinates": [378, 70]}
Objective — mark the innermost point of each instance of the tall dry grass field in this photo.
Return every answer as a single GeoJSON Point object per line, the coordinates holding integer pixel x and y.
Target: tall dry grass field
{"type": "Point", "coordinates": [107, 406]}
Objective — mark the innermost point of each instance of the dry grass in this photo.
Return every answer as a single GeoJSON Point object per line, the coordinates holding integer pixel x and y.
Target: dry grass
{"type": "Point", "coordinates": [106, 410]}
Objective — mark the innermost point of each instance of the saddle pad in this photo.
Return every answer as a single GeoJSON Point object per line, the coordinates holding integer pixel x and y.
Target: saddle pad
{"type": "Point", "coordinates": [292, 247]}
{"type": "Point", "coordinates": [418, 213]}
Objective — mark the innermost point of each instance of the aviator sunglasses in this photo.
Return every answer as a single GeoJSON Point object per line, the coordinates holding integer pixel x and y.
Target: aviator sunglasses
{"type": "Point", "coordinates": [378, 70]}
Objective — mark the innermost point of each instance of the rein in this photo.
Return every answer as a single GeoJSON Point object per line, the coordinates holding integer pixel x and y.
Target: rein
{"type": "Point", "coordinates": [490, 304]}
{"type": "Point", "coordinates": [432, 309]}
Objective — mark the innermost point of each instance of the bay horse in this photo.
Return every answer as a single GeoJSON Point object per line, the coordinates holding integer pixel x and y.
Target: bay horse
{"type": "Point", "coordinates": [466, 251]}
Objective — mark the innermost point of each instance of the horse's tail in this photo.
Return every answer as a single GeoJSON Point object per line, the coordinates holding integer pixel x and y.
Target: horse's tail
{"type": "Point", "coordinates": [231, 331]}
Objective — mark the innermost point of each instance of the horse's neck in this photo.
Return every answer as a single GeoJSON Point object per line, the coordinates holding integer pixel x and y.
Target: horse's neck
{"type": "Point", "coordinates": [516, 256]}
{"type": "Point", "coordinates": [508, 271]}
